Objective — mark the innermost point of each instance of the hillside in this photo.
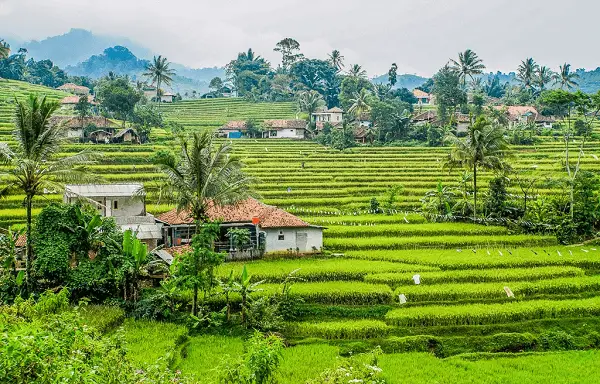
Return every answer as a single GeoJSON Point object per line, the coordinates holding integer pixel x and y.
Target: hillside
{"type": "Point", "coordinates": [404, 81]}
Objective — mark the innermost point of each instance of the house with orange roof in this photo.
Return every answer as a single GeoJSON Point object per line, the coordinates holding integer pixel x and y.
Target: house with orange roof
{"type": "Point", "coordinates": [333, 116]}
{"type": "Point", "coordinates": [523, 114]}
{"type": "Point", "coordinates": [271, 229]}
{"type": "Point", "coordinates": [78, 90]}
{"type": "Point", "coordinates": [423, 98]}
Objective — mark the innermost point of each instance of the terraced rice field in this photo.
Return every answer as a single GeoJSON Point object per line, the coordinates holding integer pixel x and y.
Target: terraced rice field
{"type": "Point", "coordinates": [482, 289]}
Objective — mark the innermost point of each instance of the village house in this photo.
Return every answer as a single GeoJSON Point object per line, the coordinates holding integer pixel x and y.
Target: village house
{"type": "Point", "coordinates": [126, 203]}
{"type": "Point", "coordinates": [126, 135]}
{"type": "Point", "coordinates": [76, 127]}
{"type": "Point", "coordinates": [521, 114]}
{"type": "Point", "coordinates": [235, 129]}
{"type": "Point", "coordinates": [333, 116]}
{"type": "Point", "coordinates": [78, 90]}
{"type": "Point", "coordinates": [271, 229]}
{"type": "Point", "coordinates": [71, 101]}
{"type": "Point", "coordinates": [423, 98]}
{"type": "Point", "coordinates": [285, 129]}
{"type": "Point", "coordinates": [461, 120]}
{"type": "Point", "coordinates": [149, 92]}
{"type": "Point", "coordinates": [167, 97]}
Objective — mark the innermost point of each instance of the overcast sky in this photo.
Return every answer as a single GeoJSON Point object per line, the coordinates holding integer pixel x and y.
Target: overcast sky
{"type": "Point", "coordinates": [419, 35]}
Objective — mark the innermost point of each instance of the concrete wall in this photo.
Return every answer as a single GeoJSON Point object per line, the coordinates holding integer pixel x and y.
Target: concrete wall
{"type": "Point", "coordinates": [74, 133]}
{"type": "Point", "coordinates": [288, 133]}
{"type": "Point", "coordinates": [126, 206]}
{"type": "Point", "coordinates": [293, 238]}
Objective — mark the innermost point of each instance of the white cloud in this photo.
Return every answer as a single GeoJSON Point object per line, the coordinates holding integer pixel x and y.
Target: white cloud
{"type": "Point", "coordinates": [419, 36]}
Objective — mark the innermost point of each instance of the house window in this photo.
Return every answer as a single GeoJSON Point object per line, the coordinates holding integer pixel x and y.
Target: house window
{"type": "Point", "coordinates": [281, 236]}
{"type": "Point", "coordinates": [115, 204]}
{"type": "Point", "coordinates": [273, 133]}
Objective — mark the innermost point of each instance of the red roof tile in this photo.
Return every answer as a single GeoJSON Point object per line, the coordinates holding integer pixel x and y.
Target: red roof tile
{"type": "Point", "coordinates": [235, 124]}
{"type": "Point", "coordinates": [420, 94]}
{"type": "Point", "coordinates": [242, 211]}
{"type": "Point", "coordinates": [21, 241]}
{"type": "Point", "coordinates": [75, 100]}
{"type": "Point", "coordinates": [285, 124]}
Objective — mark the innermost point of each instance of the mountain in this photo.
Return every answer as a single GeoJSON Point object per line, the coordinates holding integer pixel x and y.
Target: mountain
{"type": "Point", "coordinates": [121, 61]}
{"type": "Point", "coordinates": [403, 81]}
{"type": "Point", "coordinates": [76, 46]}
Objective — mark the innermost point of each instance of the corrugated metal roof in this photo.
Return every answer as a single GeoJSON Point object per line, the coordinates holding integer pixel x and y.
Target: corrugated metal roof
{"type": "Point", "coordinates": [144, 231]}
{"type": "Point", "coordinates": [103, 190]}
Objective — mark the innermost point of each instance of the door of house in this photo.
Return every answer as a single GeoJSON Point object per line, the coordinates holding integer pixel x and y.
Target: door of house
{"type": "Point", "coordinates": [301, 240]}
{"type": "Point", "coordinates": [108, 208]}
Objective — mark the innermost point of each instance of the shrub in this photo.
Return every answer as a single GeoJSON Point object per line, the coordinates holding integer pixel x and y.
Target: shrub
{"type": "Point", "coordinates": [357, 329]}
{"type": "Point", "coordinates": [557, 341]}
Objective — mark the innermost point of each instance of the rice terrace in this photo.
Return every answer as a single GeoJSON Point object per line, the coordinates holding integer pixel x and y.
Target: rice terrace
{"type": "Point", "coordinates": [289, 218]}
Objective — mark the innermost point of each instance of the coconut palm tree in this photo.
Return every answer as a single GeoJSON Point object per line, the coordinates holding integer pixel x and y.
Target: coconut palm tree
{"type": "Point", "coordinates": [543, 77]}
{"type": "Point", "coordinates": [382, 90]}
{"type": "Point", "coordinates": [158, 72]}
{"type": "Point", "coordinates": [205, 172]}
{"type": "Point", "coordinates": [310, 102]}
{"type": "Point", "coordinates": [357, 72]}
{"type": "Point", "coordinates": [336, 59]}
{"type": "Point", "coordinates": [566, 78]}
{"type": "Point", "coordinates": [467, 66]}
{"type": "Point", "coordinates": [33, 165]}
{"type": "Point", "coordinates": [483, 148]}
{"type": "Point", "coordinates": [526, 73]}
{"type": "Point", "coordinates": [360, 103]}
{"type": "Point", "coordinates": [4, 49]}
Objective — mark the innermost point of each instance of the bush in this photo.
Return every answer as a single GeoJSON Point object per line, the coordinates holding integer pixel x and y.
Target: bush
{"type": "Point", "coordinates": [557, 341]}
{"type": "Point", "coordinates": [512, 342]}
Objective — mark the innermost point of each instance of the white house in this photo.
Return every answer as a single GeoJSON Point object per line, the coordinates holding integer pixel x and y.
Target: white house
{"type": "Point", "coordinates": [167, 97]}
{"type": "Point", "coordinates": [124, 202]}
{"type": "Point", "coordinates": [285, 129]}
{"type": "Point", "coordinates": [270, 227]}
{"type": "Point", "coordinates": [423, 98]}
{"type": "Point", "coordinates": [333, 116]}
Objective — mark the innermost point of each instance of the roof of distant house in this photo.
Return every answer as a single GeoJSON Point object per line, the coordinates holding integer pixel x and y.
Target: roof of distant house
{"type": "Point", "coordinates": [103, 190]}
{"type": "Point", "coordinates": [124, 131]}
{"type": "Point", "coordinates": [74, 88]}
{"type": "Point", "coordinates": [241, 212]}
{"type": "Point", "coordinates": [426, 116]}
{"type": "Point", "coordinates": [76, 122]}
{"type": "Point", "coordinates": [420, 94]}
{"type": "Point", "coordinates": [283, 124]}
{"type": "Point", "coordinates": [168, 94]}
{"type": "Point", "coordinates": [75, 99]}
{"type": "Point", "coordinates": [516, 111]}
{"type": "Point", "coordinates": [235, 124]}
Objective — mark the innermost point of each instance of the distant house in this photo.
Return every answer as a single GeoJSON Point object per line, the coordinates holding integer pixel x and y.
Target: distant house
{"type": "Point", "coordinates": [149, 92]}
{"type": "Point", "coordinates": [461, 120]}
{"type": "Point", "coordinates": [427, 117]}
{"type": "Point", "coordinates": [423, 98]}
{"type": "Point", "coordinates": [271, 228]}
{"type": "Point", "coordinates": [124, 202]}
{"type": "Point", "coordinates": [127, 135]}
{"type": "Point", "coordinates": [167, 97]}
{"type": "Point", "coordinates": [521, 114]}
{"type": "Point", "coordinates": [71, 101]}
{"type": "Point", "coordinates": [235, 129]}
{"type": "Point", "coordinates": [285, 129]}
{"type": "Point", "coordinates": [74, 88]}
{"type": "Point", "coordinates": [76, 126]}
{"type": "Point", "coordinates": [333, 116]}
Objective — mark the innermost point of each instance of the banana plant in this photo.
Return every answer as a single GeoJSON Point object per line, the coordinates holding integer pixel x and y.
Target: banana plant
{"type": "Point", "coordinates": [245, 288]}
{"type": "Point", "coordinates": [140, 262]}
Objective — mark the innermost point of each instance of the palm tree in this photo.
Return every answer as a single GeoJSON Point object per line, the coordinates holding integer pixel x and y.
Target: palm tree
{"type": "Point", "coordinates": [4, 49]}
{"type": "Point", "coordinates": [483, 148]}
{"type": "Point", "coordinates": [159, 72]}
{"type": "Point", "coordinates": [360, 103]}
{"type": "Point", "coordinates": [566, 78]}
{"type": "Point", "coordinates": [336, 59]}
{"type": "Point", "coordinates": [34, 165]}
{"type": "Point", "coordinates": [468, 65]}
{"type": "Point", "coordinates": [382, 90]}
{"type": "Point", "coordinates": [310, 102]}
{"type": "Point", "coordinates": [205, 172]}
{"type": "Point", "coordinates": [357, 72]}
{"type": "Point", "coordinates": [526, 72]}
{"type": "Point", "coordinates": [543, 77]}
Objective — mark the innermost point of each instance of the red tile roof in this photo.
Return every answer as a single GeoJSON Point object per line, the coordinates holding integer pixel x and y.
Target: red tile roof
{"type": "Point", "coordinates": [285, 124]}
{"type": "Point", "coordinates": [76, 122]}
{"type": "Point", "coordinates": [74, 88]}
{"type": "Point", "coordinates": [426, 116]}
{"type": "Point", "coordinates": [516, 111]}
{"type": "Point", "coordinates": [242, 211]}
{"type": "Point", "coordinates": [21, 241]}
{"type": "Point", "coordinates": [420, 94]}
{"type": "Point", "coordinates": [235, 124]}
{"type": "Point", "coordinates": [75, 100]}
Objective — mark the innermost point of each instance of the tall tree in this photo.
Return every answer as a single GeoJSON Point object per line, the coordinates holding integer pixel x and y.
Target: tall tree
{"type": "Point", "coordinates": [216, 84]}
{"type": "Point", "coordinates": [118, 97]}
{"type": "Point", "coordinates": [336, 59]}
{"type": "Point", "coordinates": [34, 165]}
{"type": "Point", "coordinates": [393, 74]}
{"type": "Point", "coordinates": [483, 148]}
{"type": "Point", "coordinates": [310, 102]}
{"type": "Point", "coordinates": [246, 72]}
{"type": "Point", "coordinates": [205, 171]}
{"type": "Point", "coordinates": [357, 71]}
{"type": "Point", "coordinates": [467, 66]}
{"type": "Point", "coordinates": [83, 108]}
{"type": "Point", "coordinates": [4, 49]}
{"type": "Point", "coordinates": [360, 103]}
{"type": "Point", "coordinates": [448, 92]}
{"type": "Point", "coordinates": [290, 52]}
{"type": "Point", "coordinates": [565, 78]}
{"type": "Point", "coordinates": [543, 77]}
{"type": "Point", "coordinates": [159, 73]}
{"type": "Point", "coordinates": [526, 73]}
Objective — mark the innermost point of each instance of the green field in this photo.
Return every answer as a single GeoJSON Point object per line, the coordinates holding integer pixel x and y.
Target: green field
{"type": "Point", "coordinates": [457, 326]}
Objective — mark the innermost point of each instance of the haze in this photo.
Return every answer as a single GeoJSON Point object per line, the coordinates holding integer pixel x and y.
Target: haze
{"type": "Point", "coordinates": [419, 36]}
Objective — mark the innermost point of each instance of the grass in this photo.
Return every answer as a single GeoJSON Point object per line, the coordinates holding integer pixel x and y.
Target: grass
{"type": "Point", "coordinates": [204, 353]}
{"type": "Point", "coordinates": [149, 341]}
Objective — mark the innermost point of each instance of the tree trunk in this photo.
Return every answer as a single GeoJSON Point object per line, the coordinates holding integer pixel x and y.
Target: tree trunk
{"type": "Point", "coordinates": [29, 247]}
{"type": "Point", "coordinates": [195, 300]}
{"type": "Point", "coordinates": [158, 92]}
{"type": "Point", "coordinates": [474, 192]}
